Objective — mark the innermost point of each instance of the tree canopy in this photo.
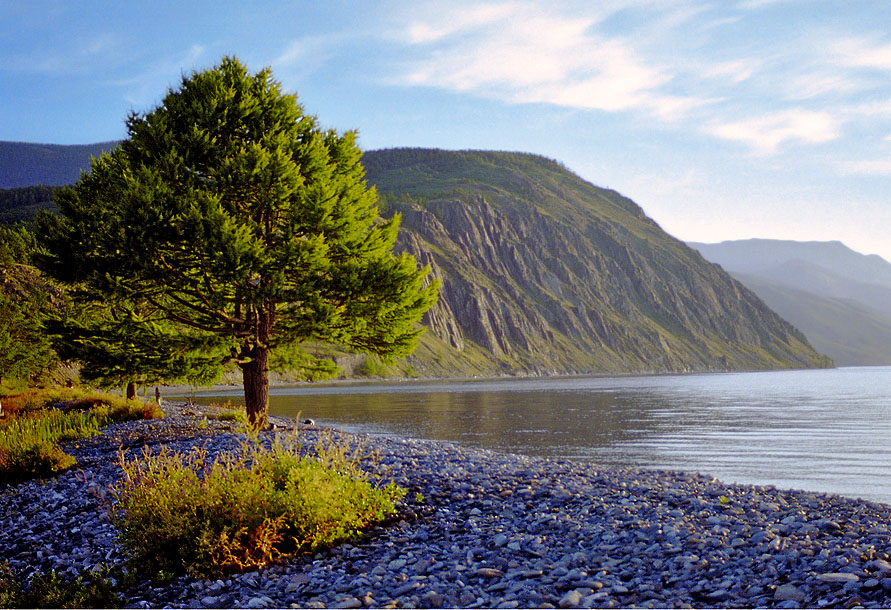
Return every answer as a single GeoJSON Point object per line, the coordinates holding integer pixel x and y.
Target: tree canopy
{"type": "Point", "coordinates": [25, 299]}
{"type": "Point", "coordinates": [229, 227]}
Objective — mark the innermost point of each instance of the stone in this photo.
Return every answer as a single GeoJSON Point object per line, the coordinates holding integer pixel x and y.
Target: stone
{"type": "Point", "coordinates": [349, 602]}
{"type": "Point", "coordinates": [841, 577]}
{"type": "Point", "coordinates": [788, 592]}
{"type": "Point", "coordinates": [603, 540]}
{"type": "Point", "coordinates": [572, 599]}
{"type": "Point", "coordinates": [433, 599]}
{"type": "Point", "coordinates": [489, 573]}
{"type": "Point", "coordinates": [467, 597]}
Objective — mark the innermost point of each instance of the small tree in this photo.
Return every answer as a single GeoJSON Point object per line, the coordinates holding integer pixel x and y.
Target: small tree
{"type": "Point", "coordinates": [230, 216]}
{"type": "Point", "coordinates": [25, 300]}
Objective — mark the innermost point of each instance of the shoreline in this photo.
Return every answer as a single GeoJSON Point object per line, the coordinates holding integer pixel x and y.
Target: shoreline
{"type": "Point", "coordinates": [179, 390]}
{"type": "Point", "coordinates": [494, 530]}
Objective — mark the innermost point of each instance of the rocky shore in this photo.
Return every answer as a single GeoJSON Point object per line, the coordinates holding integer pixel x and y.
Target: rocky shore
{"type": "Point", "coordinates": [493, 530]}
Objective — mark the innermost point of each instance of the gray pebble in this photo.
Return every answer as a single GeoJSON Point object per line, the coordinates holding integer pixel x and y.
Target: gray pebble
{"type": "Point", "coordinates": [494, 531]}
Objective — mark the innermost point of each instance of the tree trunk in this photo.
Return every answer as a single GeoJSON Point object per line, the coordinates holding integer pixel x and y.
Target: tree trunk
{"type": "Point", "coordinates": [256, 387]}
{"type": "Point", "coordinates": [131, 390]}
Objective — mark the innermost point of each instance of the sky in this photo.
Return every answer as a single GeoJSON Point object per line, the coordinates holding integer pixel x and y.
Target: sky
{"type": "Point", "coordinates": [723, 119]}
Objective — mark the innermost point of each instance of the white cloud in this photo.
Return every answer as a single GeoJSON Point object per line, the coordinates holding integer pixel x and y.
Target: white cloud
{"type": "Point", "coordinates": [765, 134]}
{"type": "Point", "coordinates": [880, 167]}
{"type": "Point", "coordinates": [808, 86]}
{"type": "Point", "coordinates": [863, 53]}
{"type": "Point", "coordinates": [736, 71]}
{"type": "Point", "coordinates": [870, 109]}
{"type": "Point", "coordinates": [466, 19]}
{"type": "Point", "coordinates": [307, 53]}
{"type": "Point", "coordinates": [523, 54]}
{"type": "Point", "coordinates": [80, 56]}
{"type": "Point", "coordinates": [757, 4]}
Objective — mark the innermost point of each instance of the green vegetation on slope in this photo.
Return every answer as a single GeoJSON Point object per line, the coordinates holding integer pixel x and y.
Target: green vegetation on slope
{"type": "Point", "coordinates": [23, 204]}
{"type": "Point", "coordinates": [546, 273]}
{"type": "Point", "coordinates": [28, 164]}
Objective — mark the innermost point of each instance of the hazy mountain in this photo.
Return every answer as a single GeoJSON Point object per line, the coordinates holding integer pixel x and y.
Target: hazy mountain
{"type": "Point", "coordinates": [26, 164]}
{"type": "Point", "coordinates": [840, 299]}
{"type": "Point", "coordinates": [544, 272]}
{"type": "Point", "coordinates": [829, 260]}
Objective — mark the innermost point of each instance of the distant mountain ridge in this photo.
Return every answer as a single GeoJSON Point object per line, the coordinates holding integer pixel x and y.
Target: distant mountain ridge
{"type": "Point", "coordinates": [839, 298]}
{"type": "Point", "coordinates": [544, 273]}
{"type": "Point", "coordinates": [768, 256]}
{"type": "Point", "coordinates": [28, 164]}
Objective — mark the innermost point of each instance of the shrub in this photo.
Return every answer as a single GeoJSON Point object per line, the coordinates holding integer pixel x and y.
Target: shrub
{"type": "Point", "coordinates": [177, 512]}
{"type": "Point", "coordinates": [227, 413]}
{"type": "Point", "coordinates": [29, 442]}
{"type": "Point", "coordinates": [28, 445]}
{"type": "Point", "coordinates": [92, 589]}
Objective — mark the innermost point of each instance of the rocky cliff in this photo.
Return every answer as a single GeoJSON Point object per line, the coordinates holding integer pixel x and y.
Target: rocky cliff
{"type": "Point", "coordinates": [544, 273]}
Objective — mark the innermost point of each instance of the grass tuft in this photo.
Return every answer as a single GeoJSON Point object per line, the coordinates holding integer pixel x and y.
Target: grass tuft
{"type": "Point", "coordinates": [37, 421]}
{"type": "Point", "coordinates": [179, 512]}
{"type": "Point", "coordinates": [92, 589]}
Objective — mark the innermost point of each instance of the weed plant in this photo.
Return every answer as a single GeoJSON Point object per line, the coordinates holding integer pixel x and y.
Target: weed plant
{"type": "Point", "coordinates": [29, 441]}
{"type": "Point", "coordinates": [227, 413]}
{"type": "Point", "coordinates": [179, 512]}
{"type": "Point", "coordinates": [29, 445]}
{"type": "Point", "coordinates": [92, 589]}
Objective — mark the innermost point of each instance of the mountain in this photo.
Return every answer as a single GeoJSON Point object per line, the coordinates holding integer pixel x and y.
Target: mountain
{"type": "Point", "coordinates": [765, 257]}
{"type": "Point", "coordinates": [546, 273]}
{"type": "Point", "coordinates": [26, 164]}
{"type": "Point", "coordinates": [840, 299]}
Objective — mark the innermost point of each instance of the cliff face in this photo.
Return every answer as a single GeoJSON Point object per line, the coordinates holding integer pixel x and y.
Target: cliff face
{"type": "Point", "coordinates": [544, 273]}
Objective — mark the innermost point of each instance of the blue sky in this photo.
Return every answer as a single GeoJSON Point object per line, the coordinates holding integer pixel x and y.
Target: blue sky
{"type": "Point", "coordinates": [723, 119]}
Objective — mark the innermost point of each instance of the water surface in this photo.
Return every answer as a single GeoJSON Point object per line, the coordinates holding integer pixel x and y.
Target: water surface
{"type": "Point", "coordinates": [820, 430]}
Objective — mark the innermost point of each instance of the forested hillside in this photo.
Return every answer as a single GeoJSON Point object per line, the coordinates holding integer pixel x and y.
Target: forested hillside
{"type": "Point", "coordinates": [28, 164]}
{"type": "Point", "coordinates": [23, 204]}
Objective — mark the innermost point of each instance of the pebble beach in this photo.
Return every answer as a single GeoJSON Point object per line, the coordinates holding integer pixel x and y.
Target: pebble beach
{"type": "Point", "coordinates": [485, 530]}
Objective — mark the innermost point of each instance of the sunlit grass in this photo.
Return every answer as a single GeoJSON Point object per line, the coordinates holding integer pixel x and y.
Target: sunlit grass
{"type": "Point", "coordinates": [37, 420]}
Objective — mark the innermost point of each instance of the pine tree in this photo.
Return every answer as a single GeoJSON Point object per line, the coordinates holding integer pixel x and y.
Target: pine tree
{"type": "Point", "coordinates": [25, 300]}
{"type": "Point", "coordinates": [229, 224]}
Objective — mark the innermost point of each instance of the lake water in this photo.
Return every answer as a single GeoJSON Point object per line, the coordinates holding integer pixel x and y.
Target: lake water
{"type": "Point", "coordinates": [819, 430]}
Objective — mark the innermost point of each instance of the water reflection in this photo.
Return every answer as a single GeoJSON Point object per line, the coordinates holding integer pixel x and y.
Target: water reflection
{"type": "Point", "coordinates": [818, 430]}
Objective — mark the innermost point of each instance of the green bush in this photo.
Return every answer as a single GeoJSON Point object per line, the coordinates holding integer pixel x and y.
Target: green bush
{"type": "Point", "coordinates": [177, 512]}
{"type": "Point", "coordinates": [228, 413]}
{"type": "Point", "coordinates": [92, 589]}
{"type": "Point", "coordinates": [29, 443]}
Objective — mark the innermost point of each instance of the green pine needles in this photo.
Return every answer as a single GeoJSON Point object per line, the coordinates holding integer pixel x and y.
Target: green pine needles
{"type": "Point", "coordinates": [229, 227]}
{"type": "Point", "coordinates": [182, 512]}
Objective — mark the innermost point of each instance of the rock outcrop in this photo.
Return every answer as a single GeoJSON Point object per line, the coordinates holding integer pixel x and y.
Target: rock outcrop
{"type": "Point", "coordinates": [544, 273]}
